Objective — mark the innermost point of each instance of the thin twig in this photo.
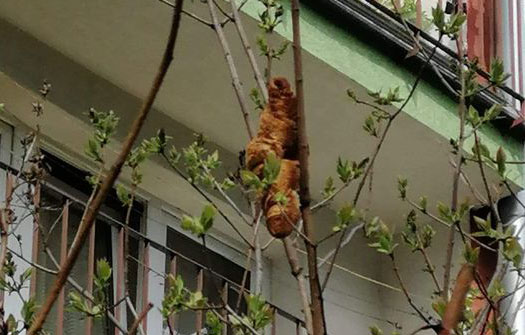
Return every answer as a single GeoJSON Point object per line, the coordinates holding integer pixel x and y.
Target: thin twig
{"type": "Point", "coordinates": [459, 163]}
{"type": "Point", "coordinates": [83, 291]}
{"type": "Point", "coordinates": [226, 14]}
{"type": "Point", "coordinates": [133, 312]}
{"type": "Point", "coordinates": [431, 269]}
{"type": "Point", "coordinates": [384, 134]}
{"type": "Point", "coordinates": [94, 207]}
{"type": "Point", "coordinates": [229, 200]}
{"type": "Point", "coordinates": [249, 51]}
{"type": "Point", "coordinates": [448, 225]}
{"type": "Point", "coordinates": [190, 14]}
{"type": "Point", "coordinates": [239, 91]}
{"type": "Point", "coordinates": [326, 200]}
{"type": "Point", "coordinates": [258, 255]}
{"type": "Point", "coordinates": [210, 200]}
{"type": "Point", "coordinates": [133, 329]}
{"type": "Point", "coordinates": [290, 248]}
{"type": "Point", "coordinates": [471, 187]}
{"type": "Point", "coordinates": [405, 291]}
{"type": "Point", "coordinates": [346, 240]}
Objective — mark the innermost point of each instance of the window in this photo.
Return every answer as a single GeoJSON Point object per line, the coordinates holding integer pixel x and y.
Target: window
{"type": "Point", "coordinates": [62, 199]}
{"type": "Point", "coordinates": [202, 270]}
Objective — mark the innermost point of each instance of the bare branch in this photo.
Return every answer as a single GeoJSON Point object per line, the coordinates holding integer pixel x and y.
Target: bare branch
{"type": "Point", "coordinates": [290, 248]}
{"type": "Point", "coordinates": [139, 319]}
{"type": "Point", "coordinates": [349, 235]}
{"type": "Point", "coordinates": [239, 91]}
{"type": "Point", "coordinates": [249, 51]}
{"type": "Point", "coordinates": [405, 291]}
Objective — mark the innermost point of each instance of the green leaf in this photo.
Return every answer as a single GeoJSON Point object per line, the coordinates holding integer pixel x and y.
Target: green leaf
{"type": "Point", "coordinates": [426, 236]}
{"type": "Point", "coordinates": [272, 166]}
{"type": "Point", "coordinates": [473, 116]}
{"type": "Point", "coordinates": [402, 185]}
{"type": "Point", "coordinates": [28, 311]}
{"type": "Point", "coordinates": [497, 72]}
{"type": "Point", "coordinates": [471, 255]}
{"type": "Point", "coordinates": [11, 324]}
{"type": "Point", "coordinates": [213, 324]}
{"type": "Point", "coordinates": [388, 99]}
{"type": "Point", "coordinates": [351, 94]}
{"type": "Point", "coordinates": [329, 188]}
{"type": "Point", "coordinates": [206, 219]}
{"type": "Point", "coordinates": [256, 99]}
{"type": "Point", "coordinates": [374, 330]}
{"type": "Point", "coordinates": [493, 112]}
{"type": "Point", "coordinates": [345, 215]}
{"type": "Point", "coordinates": [277, 54]}
{"type": "Point", "coordinates": [103, 269]}
{"type": "Point", "coordinates": [483, 224]}
{"type": "Point", "coordinates": [423, 201]}
{"type": "Point", "coordinates": [344, 171]}
{"type": "Point", "coordinates": [251, 180]}
{"type": "Point", "coordinates": [26, 275]}
{"type": "Point", "coordinates": [512, 251]}
{"type": "Point", "coordinates": [496, 290]}
{"type": "Point", "coordinates": [438, 18]}
{"type": "Point", "coordinates": [123, 195]}
{"type": "Point", "coordinates": [385, 244]}
{"type": "Point", "coordinates": [501, 159]}
{"type": "Point", "coordinates": [411, 220]}
{"type": "Point", "coordinates": [93, 150]}
{"type": "Point", "coordinates": [227, 184]}
{"type": "Point", "coordinates": [189, 223]}
{"type": "Point", "coordinates": [370, 126]}
{"type": "Point", "coordinates": [445, 212]}
{"type": "Point", "coordinates": [280, 198]}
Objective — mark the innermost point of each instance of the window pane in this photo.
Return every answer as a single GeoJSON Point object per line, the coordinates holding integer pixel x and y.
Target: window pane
{"type": "Point", "coordinates": [213, 284]}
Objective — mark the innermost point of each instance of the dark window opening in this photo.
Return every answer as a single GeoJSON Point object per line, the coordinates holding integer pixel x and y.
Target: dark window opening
{"type": "Point", "coordinates": [225, 277]}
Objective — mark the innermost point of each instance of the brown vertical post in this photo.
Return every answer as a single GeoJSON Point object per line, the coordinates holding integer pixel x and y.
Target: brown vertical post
{"type": "Point", "coordinates": [8, 195]}
{"type": "Point", "coordinates": [419, 14]}
{"type": "Point", "coordinates": [90, 274]}
{"type": "Point", "coordinates": [120, 277]}
{"type": "Point", "coordinates": [173, 271]}
{"type": "Point", "coordinates": [397, 3]}
{"type": "Point", "coordinates": [200, 285]}
{"type": "Point", "coordinates": [63, 256]}
{"type": "Point", "coordinates": [36, 238]}
{"type": "Point", "coordinates": [145, 283]}
{"type": "Point", "coordinates": [225, 291]}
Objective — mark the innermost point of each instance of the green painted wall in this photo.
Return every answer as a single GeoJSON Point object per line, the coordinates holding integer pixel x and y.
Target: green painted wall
{"type": "Point", "coordinates": [350, 55]}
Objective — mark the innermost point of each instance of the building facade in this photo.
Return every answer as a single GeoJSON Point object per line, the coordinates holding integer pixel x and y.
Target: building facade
{"type": "Point", "coordinates": [104, 54]}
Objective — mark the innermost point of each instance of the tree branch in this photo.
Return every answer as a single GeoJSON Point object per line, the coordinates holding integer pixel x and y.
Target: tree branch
{"type": "Point", "coordinates": [290, 247]}
{"type": "Point", "coordinates": [459, 163]}
{"type": "Point", "coordinates": [405, 291]}
{"type": "Point", "coordinates": [237, 86]}
{"type": "Point", "coordinates": [316, 294]}
{"type": "Point", "coordinates": [210, 200]}
{"type": "Point", "coordinates": [345, 241]}
{"type": "Point", "coordinates": [133, 329]}
{"type": "Point", "coordinates": [249, 51]}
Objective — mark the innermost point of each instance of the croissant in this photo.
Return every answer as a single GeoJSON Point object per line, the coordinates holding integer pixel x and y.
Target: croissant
{"type": "Point", "coordinates": [281, 218]}
{"type": "Point", "coordinates": [277, 135]}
